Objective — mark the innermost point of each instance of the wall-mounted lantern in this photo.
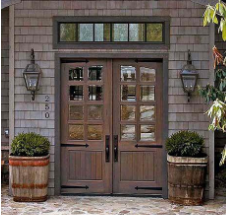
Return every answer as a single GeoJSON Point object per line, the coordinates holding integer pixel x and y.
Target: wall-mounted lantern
{"type": "Point", "coordinates": [32, 75]}
{"type": "Point", "coordinates": [189, 77]}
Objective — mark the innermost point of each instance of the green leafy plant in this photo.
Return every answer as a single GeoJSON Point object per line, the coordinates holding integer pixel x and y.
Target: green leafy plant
{"type": "Point", "coordinates": [184, 143]}
{"type": "Point", "coordinates": [30, 144]}
{"type": "Point", "coordinates": [218, 114]}
{"type": "Point", "coordinates": [216, 14]}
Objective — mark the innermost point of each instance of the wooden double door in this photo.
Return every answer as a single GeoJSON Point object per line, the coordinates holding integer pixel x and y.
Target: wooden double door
{"type": "Point", "coordinates": [111, 127]}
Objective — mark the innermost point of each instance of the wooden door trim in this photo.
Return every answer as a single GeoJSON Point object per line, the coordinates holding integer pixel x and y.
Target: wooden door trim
{"type": "Point", "coordinates": [62, 56]}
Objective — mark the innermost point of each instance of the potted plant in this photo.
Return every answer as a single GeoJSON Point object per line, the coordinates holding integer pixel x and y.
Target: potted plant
{"type": "Point", "coordinates": [29, 167]}
{"type": "Point", "coordinates": [186, 168]}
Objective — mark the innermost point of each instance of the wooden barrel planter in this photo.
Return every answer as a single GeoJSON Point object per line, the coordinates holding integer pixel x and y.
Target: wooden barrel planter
{"type": "Point", "coordinates": [29, 178]}
{"type": "Point", "coordinates": [186, 179]}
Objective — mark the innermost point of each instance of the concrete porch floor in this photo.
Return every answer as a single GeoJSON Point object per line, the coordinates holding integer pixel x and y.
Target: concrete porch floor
{"type": "Point", "coordinates": [62, 205]}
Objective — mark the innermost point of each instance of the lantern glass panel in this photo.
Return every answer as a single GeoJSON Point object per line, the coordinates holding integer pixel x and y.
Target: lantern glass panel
{"type": "Point", "coordinates": [189, 82]}
{"type": "Point", "coordinates": [31, 81]}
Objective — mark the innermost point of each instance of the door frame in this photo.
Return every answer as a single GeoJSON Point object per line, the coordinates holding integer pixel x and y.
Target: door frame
{"type": "Point", "coordinates": [69, 57]}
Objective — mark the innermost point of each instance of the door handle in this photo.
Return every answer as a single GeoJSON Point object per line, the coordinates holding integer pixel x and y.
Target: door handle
{"type": "Point", "coordinates": [107, 148]}
{"type": "Point", "coordinates": [116, 148]}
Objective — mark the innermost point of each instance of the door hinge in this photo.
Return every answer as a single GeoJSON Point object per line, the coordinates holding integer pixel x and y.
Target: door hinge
{"type": "Point", "coordinates": [76, 187]}
{"type": "Point", "coordinates": [148, 146]}
{"type": "Point", "coordinates": [75, 145]}
{"type": "Point", "coordinates": [148, 188]}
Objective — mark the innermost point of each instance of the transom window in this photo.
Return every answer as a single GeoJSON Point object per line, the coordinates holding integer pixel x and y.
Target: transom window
{"type": "Point", "coordinates": [110, 32]}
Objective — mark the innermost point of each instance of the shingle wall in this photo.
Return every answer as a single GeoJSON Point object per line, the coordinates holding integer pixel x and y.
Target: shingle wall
{"type": "Point", "coordinates": [4, 74]}
{"type": "Point", "coordinates": [33, 29]}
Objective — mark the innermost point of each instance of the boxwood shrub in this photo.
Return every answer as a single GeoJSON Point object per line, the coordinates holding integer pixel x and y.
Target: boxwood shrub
{"type": "Point", "coordinates": [30, 144]}
{"type": "Point", "coordinates": [185, 143]}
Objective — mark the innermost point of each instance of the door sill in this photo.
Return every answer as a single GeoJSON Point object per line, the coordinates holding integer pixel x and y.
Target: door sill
{"type": "Point", "coordinates": [112, 194]}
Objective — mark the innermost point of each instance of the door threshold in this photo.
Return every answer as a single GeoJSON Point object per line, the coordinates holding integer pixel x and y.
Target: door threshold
{"type": "Point", "coordinates": [113, 195]}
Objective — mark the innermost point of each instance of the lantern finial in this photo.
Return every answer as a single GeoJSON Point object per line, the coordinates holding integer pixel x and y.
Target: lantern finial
{"type": "Point", "coordinates": [32, 56]}
{"type": "Point", "coordinates": [189, 61]}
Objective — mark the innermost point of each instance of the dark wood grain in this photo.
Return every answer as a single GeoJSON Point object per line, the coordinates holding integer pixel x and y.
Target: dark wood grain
{"type": "Point", "coordinates": [84, 169]}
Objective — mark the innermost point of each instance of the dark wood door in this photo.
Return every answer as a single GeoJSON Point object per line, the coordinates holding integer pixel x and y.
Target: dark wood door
{"type": "Point", "coordinates": [86, 127]}
{"type": "Point", "coordinates": [111, 120]}
{"type": "Point", "coordinates": [137, 118]}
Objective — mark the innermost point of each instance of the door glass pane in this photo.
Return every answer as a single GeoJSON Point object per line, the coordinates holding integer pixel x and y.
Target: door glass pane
{"type": "Point", "coordinates": [85, 32]}
{"type": "Point", "coordinates": [76, 112]}
{"type": "Point", "coordinates": [147, 133]}
{"type": "Point", "coordinates": [136, 32]}
{"type": "Point", "coordinates": [95, 111]}
{"type": "Point", "coordinates": [76, 93]}
{"type": "Point", "coordinates": [95, 73]}
{"type": "Point", "coordinates": [147, 74]}
{"type": "Point", "coordinates": [147, 113]}
{"type": "Point", "coordinates": [102, 32]}
{"type": "Point", "coordinates": [128, 132]}
{"type": "Point", "coordinates": [128, 112]}
{"type": "Point", "coordinates": [95, 93]}
{"type": "Point", "coordinates": [67, 32]}
{"type": "Point", "coordinates": [128, 93]}
{"type": "Point", "coordinates": [128, 73]}
{"type": "Point", "coordinates": [154, 32]}
{"type": "Point", "coordinates": [76, 74]}
{"type": "Point", "coordinates": [120, 32]}
{"type": "Point", "coordinates": [147, 93]}
{"type": "Point", "coordinates": [95, 132]}
{"type": "Point", "coordinates": [76, 132]}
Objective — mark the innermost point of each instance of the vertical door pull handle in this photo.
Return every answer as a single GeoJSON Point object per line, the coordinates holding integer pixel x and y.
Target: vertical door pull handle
{"type": "Point", "coordinates": [116, 148]}
{"type": "Point", "coordinates": [107, 148]}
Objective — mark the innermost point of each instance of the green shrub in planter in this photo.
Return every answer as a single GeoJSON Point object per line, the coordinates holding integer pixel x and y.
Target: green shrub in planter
{"type": "Point", "coordinates": [184, 143]}
{"type": "Point", "coordinates": [30, 144]}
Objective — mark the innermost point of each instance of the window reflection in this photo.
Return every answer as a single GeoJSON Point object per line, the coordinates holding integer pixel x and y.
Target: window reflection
{"type": "Point", "coordinates": [128, 73]}
{"type": "Point", "coordinates": [95, 93]}
{"type": "Point", "coordinates": [147, 133]}
{"type": "Point", "coordinates": [76, 74]}
{"type": "Point", "coordinates": [128, 93]}
{"type": "Point", "coordinates": [85, 32]}
{"type": "Point", "coordinates": [147, 74]}
{"type": "Point", "coordinates": [154, 32]}
{"type": "Point", "coordinates": [102, 32]}
{"type": "Point", "coordinates": [128, 132]}
{"type": "Point", "coordinates": [147, 113]}
{"type": "Point", "coordinates": [76, 93]}
{"type": "Point", "coordinates": [128, 112]}
{"type": "Point", "coordinates": [95, 111]}
{"type": "Point", "coordinates": [147, 93]}
{"type": "Point", "coordinates": [76, 132]}
{"type": "Point", "coordinates": [67, 32]}
{"type": "Point", "coordinates": [95, 73]}
{"type": "Point", "coordinates": [120, 32]}
{"type": "Point", "coordinates": [76, 112]}
{"type": "Point", "coordinates": [136, 32]}
{"type": "Point", "coordinates": [95, 132]}
{"type": "Point", "coordinates": [111, 32]}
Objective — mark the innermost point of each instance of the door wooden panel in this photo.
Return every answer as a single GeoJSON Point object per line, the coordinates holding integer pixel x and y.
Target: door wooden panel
{"type": "Point", "coordinates": [137, 164]}
{"type": "Point", "coordinates": [86, 126]}
{"type": "Point", "coordinates": [137, 119]}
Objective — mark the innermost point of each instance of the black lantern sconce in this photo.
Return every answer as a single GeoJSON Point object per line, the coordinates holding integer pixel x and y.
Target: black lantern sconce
{"type": "Point", "coordinates": [189, 77]}
{"type": "Point", "coordinates": [32, 75]}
